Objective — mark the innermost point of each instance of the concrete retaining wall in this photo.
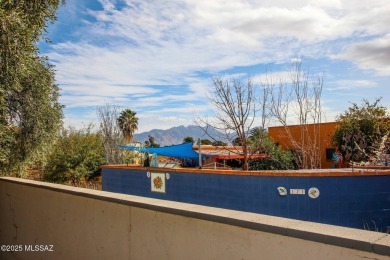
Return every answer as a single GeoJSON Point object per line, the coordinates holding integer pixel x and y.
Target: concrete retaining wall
{"type": "Point", "coordinates": [76, 223]}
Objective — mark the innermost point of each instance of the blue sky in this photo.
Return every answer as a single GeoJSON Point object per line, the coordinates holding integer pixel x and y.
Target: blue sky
{"type": "Point", "coordinates": [157, 57]}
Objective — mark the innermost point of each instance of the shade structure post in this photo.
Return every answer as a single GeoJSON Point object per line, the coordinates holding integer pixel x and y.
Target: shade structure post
{"type": "Point", "coordinates": [200, 153]}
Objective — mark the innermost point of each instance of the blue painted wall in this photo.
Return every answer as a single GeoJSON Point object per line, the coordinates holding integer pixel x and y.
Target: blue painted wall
{"type": "Point", "coordinates": [350, 201]}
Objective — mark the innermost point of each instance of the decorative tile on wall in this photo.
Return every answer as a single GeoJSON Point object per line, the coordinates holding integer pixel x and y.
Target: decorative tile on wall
{"type": "Point", "coordinates": [157, 182]}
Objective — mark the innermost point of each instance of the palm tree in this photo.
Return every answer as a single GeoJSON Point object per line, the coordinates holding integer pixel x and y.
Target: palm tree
{"type": "Point", "coordinates": [257, 139]}
{"type": "Point", "coordinates": [128, 123]}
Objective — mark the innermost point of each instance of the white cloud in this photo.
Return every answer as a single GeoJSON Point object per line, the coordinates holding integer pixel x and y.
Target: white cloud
{"type": "Point", "coordinates": [81, 120]}
{"type": "Point", "coordinates": [352, 84]}
{"type": "Point", "coordinates": [98, 88]}
{"type": "Point", "coordinates": [122, 54]}
{"type": "Point", "coordinates": [151, 121]}
{"type": "Point", "coordinates": [371, 55]}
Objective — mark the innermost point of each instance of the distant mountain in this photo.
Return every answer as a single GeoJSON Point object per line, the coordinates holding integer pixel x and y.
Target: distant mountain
{"type": "Point", "coordinates": [175, 135]}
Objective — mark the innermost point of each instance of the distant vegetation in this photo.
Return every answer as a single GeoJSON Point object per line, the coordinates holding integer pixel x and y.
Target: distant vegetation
{"type": "Point", "coordinates": [190, 139]}
{"type": "Point", "coordinates": [150, 142]}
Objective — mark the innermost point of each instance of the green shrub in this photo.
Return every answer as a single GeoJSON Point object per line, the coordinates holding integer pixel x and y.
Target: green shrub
{"type": "Point", "coordinates": [278, 159]}
{"type": "Point", "coordinates": [76, 155]}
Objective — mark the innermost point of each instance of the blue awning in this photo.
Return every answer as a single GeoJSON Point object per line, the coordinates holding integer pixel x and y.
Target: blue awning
{"type": "Point", "coordinates": [177, 151]}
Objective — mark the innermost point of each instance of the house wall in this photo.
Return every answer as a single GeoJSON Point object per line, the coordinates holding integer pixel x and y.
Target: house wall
{"type": "Point", "coordinates": [320, 133]}
{"type": "Point", "coordinates": [76, 223]}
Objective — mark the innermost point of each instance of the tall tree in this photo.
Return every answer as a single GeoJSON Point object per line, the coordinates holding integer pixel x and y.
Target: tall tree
{"type": "Point", "coordinates": [111, 133]}
{"type": "Point", "coordinates": [362, 132]}
{"type": "Point", "coordinates": [29, 110]}
{"type": "Point", "coordinates": [128, 123]}
{"type": "Point", "coordinates": [234, 111]}
{"type": "Point", "coordinates": [298, 101]}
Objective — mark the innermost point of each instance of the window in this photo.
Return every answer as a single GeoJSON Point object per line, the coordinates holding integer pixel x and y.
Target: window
{"type": "Point", "coordinates": [329, 153]}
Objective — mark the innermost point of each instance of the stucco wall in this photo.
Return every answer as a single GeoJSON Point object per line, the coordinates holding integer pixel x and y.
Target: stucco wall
{"type": "Point", "coordinates": [321, 134]}
{"type": "Point", "coordinates": [87, 224]}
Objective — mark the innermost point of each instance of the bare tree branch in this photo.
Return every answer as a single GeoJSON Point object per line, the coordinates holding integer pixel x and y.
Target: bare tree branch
{"type": "Point", "coordinates": [234, 111]}
{"type": "Point", "coordinates": [301, 100]}
{"type": "Point", "coordinates": [112, 134]}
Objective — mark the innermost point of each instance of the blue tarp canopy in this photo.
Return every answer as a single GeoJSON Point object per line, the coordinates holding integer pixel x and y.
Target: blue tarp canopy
{"type": "Point", "coordinates": [178, 151]}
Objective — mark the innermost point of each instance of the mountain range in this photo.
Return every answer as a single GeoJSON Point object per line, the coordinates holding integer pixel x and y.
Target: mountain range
{"type": "Point", "coordinates": [175, 135]}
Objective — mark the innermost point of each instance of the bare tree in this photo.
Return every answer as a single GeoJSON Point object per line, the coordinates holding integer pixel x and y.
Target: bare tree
{"type": "Point", "coordinates": [262, 99]}
{"type": "Point", "coordinates": [234, 111]}
{"type": "Point", "coordinates": [299, 102]}
{"type": "Point", "coordinates": [111, 132]}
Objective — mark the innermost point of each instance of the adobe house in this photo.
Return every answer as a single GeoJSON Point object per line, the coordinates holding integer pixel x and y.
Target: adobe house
{"type": "Point", "coordinates": [295, 137]}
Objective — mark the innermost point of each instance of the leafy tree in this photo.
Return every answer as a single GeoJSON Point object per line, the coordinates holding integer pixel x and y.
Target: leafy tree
{"type": "Point", "coordinates": [219, 143]}
{"type": "Point", "coordinates": [128, 123]}
{"type": "Point", "coordinates": [150, 142]}
{"type": "Point", "coordinates": [76, 155]}
{"type": "Point", "coordinates": [29, 110]}
{"type": "Point", "coordinates": [256, 140]}
{"type": "Point", "coordinates": [362, 131]}
{"type": "Point", "coordinates": [205, 142]}
{"type": "Point", "coordinates": [259, 142]}
{"type": "Point", "coordinates": [278, 159]}
{"type": "Point", "coordinates": [188, 139]}
{"type": "Point", "coordinates": [237, 142]}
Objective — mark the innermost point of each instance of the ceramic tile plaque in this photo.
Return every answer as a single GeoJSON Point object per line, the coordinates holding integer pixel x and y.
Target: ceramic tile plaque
{"type": "Point", "coordinates": [297, 191]}
{"type": "Point", "coordinates": [314, 193]}
{"type": "Point", "coordinates": [157, 182]}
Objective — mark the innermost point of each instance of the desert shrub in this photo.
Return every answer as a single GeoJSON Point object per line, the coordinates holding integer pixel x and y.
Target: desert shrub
{"type": "Point", "coordinates": [76, 155]}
